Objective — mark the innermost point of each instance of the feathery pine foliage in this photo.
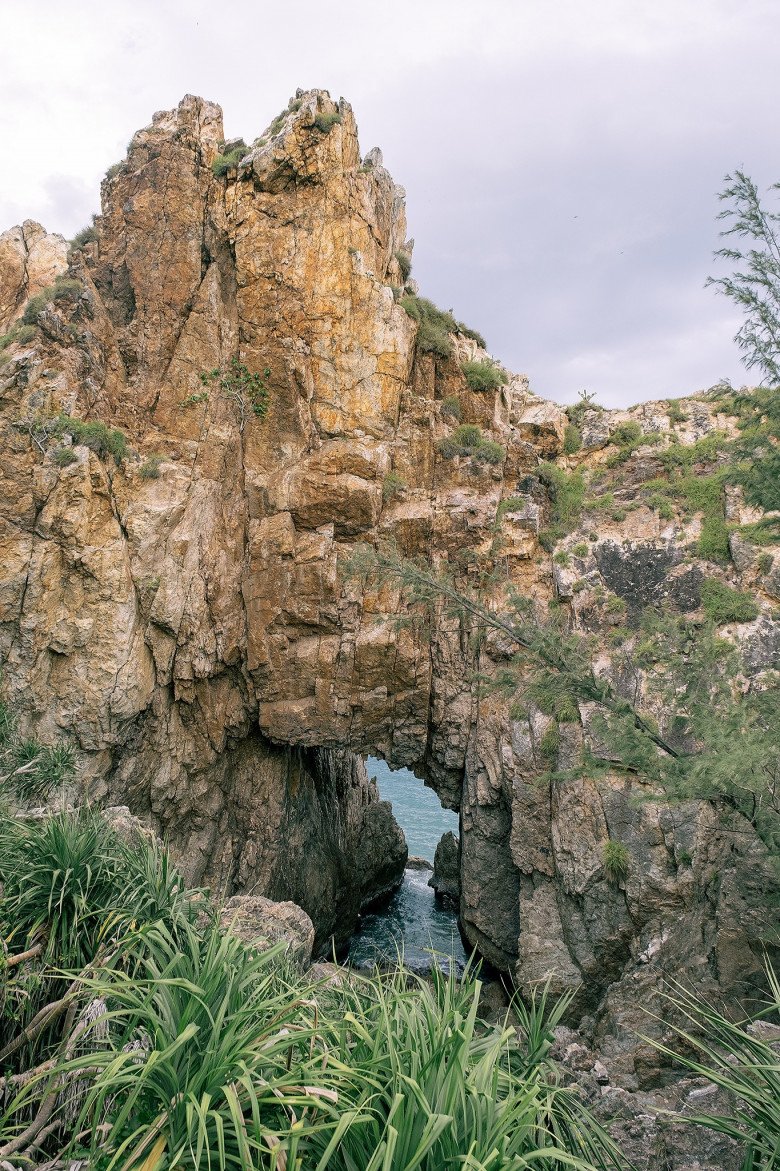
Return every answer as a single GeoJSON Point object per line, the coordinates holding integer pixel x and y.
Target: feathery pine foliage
{"type": "Point", "coordinates": [755, 285]}
{"type": "Point", "coordinates": [716, 742]}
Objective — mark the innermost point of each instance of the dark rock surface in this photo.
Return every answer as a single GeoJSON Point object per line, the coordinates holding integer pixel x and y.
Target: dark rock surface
{"type": "Point", "coordinates": [445, 879]}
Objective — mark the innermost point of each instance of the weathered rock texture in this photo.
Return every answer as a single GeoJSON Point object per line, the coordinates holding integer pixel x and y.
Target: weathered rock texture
{"type": "Point", "coordinates": [445, 879]}
{"type": "Point", "coordinates": [30, 259]}
{"type": "Point", "coordinates": [193, 634]}
{"type": "Point", "coordinates": [262, 923]}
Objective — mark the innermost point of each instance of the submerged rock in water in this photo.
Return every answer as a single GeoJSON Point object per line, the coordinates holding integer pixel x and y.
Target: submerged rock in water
{"type": "Point", "coordinates": [445, 879]}
{"type": "Point", "coordinates": [414, 862]}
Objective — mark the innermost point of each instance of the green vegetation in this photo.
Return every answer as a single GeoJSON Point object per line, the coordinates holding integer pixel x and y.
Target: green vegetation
{"type": "Point", "coordinates": [586, 402]}
{"type": "Point", "coordinates": [435, 326]}
{"type": "Point", "coordinates": [572, 439]}
{"type": "Point", "coordinates": [135, 1031]}
{"type": "Point", "coordinates": [734, 1055]}
{"type": "Point", "coordinates": [85, 236]}
{"type": "Point", "coordinates": [64, 457]}
{"type": "Point", "coordinates": [194, 399]}
{"type": "Point", "coordinates": [617, 861]}
{"type": "Point", "coordinates": [245, 389]}
{"type": "Point", "coordinates": [484, 375]}
{"type": "Point", "coordinates": [114, 170]}
{"type": "Point", "coordinates": [691, 675]}
{"type": "Point", "coordinates": [404, 263]}
{"type": "Point", "coordinates": [580, 549]}
{"type": "Point", "coordinates": [562, 558]}
{"type": "Point", "coordinates": [325, 122]}
{"type": "Point", "coordinates": [628, 437]}
{"type": "Point", "coordinates": [550, 743]}
{"type": "Point", "coordinates": [755, 288]}
{"type": "Point", "coordinates": [392, 486]}
{"type": "Point", "coordinates": [450, 407]}
{"type": "Point", "coordinates": [722, 604]}
{"type": "Point", "coordinates": [468, 440]}
{"type": "Point", "coordinates": [150, 468]}
{"type": "Point", "coordinates": [225, 162]}
{"type": "Point", "coordinates": [675, 412]}
{"type": "Point", "coordinates": [28, 770]}
{"type": "Point", "coordinates": [18, 335]}
{"type": "Point", "coordinates": [95, 435]}
{"type": "Point", "coordinates": [567, 496]}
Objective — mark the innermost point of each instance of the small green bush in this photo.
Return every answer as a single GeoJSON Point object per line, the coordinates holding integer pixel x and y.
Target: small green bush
{"type": "Point", "coordinates": [435, 326]}
{"type": "Point", "coordinates": [64, 456]}
{"type": "Point", "coordinates": [567, 493]}
{"type": "Point", "coordinates": [484, 375]}
{"type": "Point", "coordinates": [617, 861]}
{"type": "Point", "coordinates": [615, 605]}
{"type": "Point", "coordinates": [467, 435]}
{"type": "Point", "coordinates": [489, 452]}
{"type": "Point", "coordinates": [325, 122]}
{"type": "Point", "coordinates": [675, 412]}
{"type": "Point", "coordinates": [447, 448]}
{"type": "Point", "coordinates": [562, 558]}
{"type": "Point", "coordinates": [85, 236]}
{"type": "Point", "coordinates": [150, 469]}
{"type": "Point", "coordinates": [713, 543]}
{"type": "Point", "coordinates": [572, 439]}
{"type": "Point", "coordinates": [722, 604]}
{"type": "Point", "coordinates": [95, 435]}
{"type": "Point", "coordinates": [450, 407]}
{"type": "Point", "coordinates": [685, 456]}
{"type": "Point", "coordinates": [580, 549]}
{"type": "Point", "coordinates": [626, 434]}
{"type": "Point", "coordinates": [223, 163]}
{"type": "Point", "coordinates": [404, 263]}
{"type": "Point", "coordinates": [114, 170]}
{"type": "Point", "coordinates": [392, 486]}
{"type": "Point", "coordinates": [765, 562]}
{"type": "Point", "coordinates": [35, 307]}
{"type": "Point", "coordinates": [472, 333]}
{"type": "Point", "coordinates": [193, 400]}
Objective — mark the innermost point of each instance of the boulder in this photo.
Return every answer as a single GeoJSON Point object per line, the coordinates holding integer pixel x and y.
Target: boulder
{"type": "Point", "coordinates": [263, 923]}
{"type": "Point", "coordinates": [445, 879]}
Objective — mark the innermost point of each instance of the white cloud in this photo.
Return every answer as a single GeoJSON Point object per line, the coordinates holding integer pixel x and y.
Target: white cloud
{"type": "Point", "coordinates": [561, 160]}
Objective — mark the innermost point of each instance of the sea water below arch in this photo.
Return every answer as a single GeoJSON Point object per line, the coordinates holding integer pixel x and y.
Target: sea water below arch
{"type": "Point", "coordinates": [413, 922]}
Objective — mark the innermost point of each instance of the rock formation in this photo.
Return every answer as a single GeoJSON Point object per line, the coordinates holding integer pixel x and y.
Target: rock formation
{"type": "Point", "coordinates": [445, 879]}
{"type": "Point", "coordinates": [181, 614]}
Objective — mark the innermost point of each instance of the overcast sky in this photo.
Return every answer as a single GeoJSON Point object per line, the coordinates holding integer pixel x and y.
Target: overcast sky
{"type": "Point", "coordinates": [561, 157]}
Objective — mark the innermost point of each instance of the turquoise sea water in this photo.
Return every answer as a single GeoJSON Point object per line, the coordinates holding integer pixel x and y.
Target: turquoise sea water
{"type": "Point", "coordinates": [413, 922]}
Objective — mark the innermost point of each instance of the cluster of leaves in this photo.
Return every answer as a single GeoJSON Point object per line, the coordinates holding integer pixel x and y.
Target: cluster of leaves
{"type": "Point", "coordinates": [91, 433]}
{"type": "Point", "coordinates": [404, 263]}
{"type": "Point", "coordinates": [245, 389]}
{"type": "Point", "coordinates": [150, 468]}
{"type": "Point", "coordinates": [137, 1032]}
{"type": "Point", "coordinates": [29, 771]}
{"type": "Point", "coordinates": [467, 440]}
{"type": "Point", "coordinates": [435, 326]}
{"type": "Point", "coordinates": [484, 374]}
{"type": "Point", "coordinates": [228, 160]}
{"type": "Point", "coordinates": [392, 486]}
{"type": "Point", "coordinates": [325, 122]}
{"type": "Point", "coordinates": [628, 437]}
{"type": "Point", "coordinates": [617, 861]}
{"type": "Point", "coordinates": [722, 604]}
{"type": "Point", "coordinates": [85, 236]}
{"type": "Point", "coordinates": [572, 439]}
{"type": "Point", "coordinates": [567, 497]}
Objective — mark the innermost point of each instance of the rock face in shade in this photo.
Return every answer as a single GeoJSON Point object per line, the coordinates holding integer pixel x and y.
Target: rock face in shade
{"type": "Point", "coordinates": [381, 855]}
{"type": "Point", "coordinates": [445, 879]}
{"type": "Point", "coordinates": [186, 622]}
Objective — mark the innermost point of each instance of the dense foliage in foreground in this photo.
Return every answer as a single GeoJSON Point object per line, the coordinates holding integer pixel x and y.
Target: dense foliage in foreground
{"type": "Point", "coordinates": [136, 1033]}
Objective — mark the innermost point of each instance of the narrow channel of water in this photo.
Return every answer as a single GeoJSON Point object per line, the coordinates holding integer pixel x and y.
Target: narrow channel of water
{"type": "Point", "coordinates": [413, 922]}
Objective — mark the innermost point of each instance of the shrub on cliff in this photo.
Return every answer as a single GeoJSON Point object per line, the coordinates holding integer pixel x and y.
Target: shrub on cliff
{"type": "Point", "coordinates": [723, 604]}
{"type": "Point", "coordinates": [435, 326]}
{"type": "Point", "coordinates": [484, 375]}
{"type": "Point", "coordinates": [225, 162]}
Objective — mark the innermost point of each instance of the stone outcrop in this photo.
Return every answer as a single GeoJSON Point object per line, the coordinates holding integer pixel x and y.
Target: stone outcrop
{"type": "Point", "coordinates": [184, 617]}
{"type": "Point", "coordinates": [445, 879]}
{"type": "Point", "coordinates": [30, 260]}
{"type": "Point", "coordinates": [262, 924]}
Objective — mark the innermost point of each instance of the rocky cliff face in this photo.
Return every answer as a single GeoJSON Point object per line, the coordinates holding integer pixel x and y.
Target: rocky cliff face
{"type": "Point", "coordinates": [183, 617]}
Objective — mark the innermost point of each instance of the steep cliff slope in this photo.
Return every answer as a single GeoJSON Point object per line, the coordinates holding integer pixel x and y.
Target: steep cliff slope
{"type": "Point", "coordinates": [172, 596]}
